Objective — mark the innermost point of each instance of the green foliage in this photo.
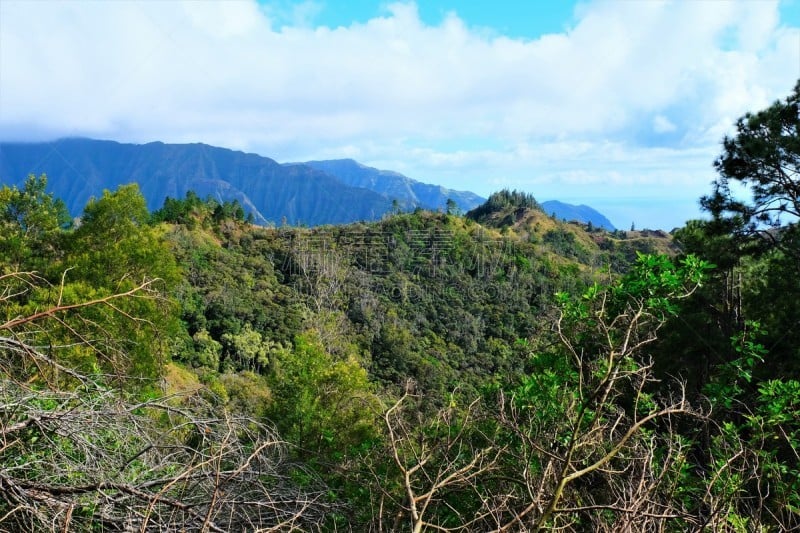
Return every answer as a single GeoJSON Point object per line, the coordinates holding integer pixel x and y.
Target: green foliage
{"type": "Point", "coordinates": [206, 351]}
{"type": "Point", "coordinates": [113, 251]}
{"type": "Point", "coordinates": [657, 280]}
{"type": "Point", "coordinates": [764, 157]}
{"type": "Point", "coordinates": [726, 386]}
{"type": "Point", "coordinates": [325, 405]}
{"type": "Point", "coordinates": [192, 210]}
{"type": "Point", "coordinates": [753, 238]}
{"type": "Point", "coordinates": [736, 339]}
{"type": "Point", "coordinates": [246, 349]}
{"type": "Point", "coordinates": [645, 297]}
{"type": "Point", "coordinates": [764, 421]}
{"type": "Point", "coordinates": [418, 295]}
{"type": "Point", "coordinates": [503, 201]}
{"type": "Point", "coordinates": [548, 392]}
{"type": "Point", "coordinates": [452, 208]}
{"type": "Point", "coordinates": [31, 222]}
{"type": "Point", "coordinates": [563, 243]}
{"type": "Point", "coordinates": [314, 331]}
{"type": "Point", "coordinates": [114, 241]}
{"type": "Point", "coordinates": [226, 289]}
{"type": "Point", "coordinates": [247, 393]}
{"type": "Point", "coordinates": [565, 443]}
{"type": "Point", "coordinates": [229, 211]}
{"type": "Point", "coordinates": [186, 211]}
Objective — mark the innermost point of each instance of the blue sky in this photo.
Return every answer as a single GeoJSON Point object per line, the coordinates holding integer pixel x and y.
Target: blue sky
{"type": "Point", "coordinates": [521, 19]}
{"type": "Point", "coordinates": [618, 104]}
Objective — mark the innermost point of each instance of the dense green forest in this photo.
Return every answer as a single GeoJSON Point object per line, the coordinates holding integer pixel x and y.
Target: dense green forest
{"type": "Point", "coordinates": [501, 370]}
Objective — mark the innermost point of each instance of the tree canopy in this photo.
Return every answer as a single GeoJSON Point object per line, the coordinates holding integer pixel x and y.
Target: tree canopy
{"type": "Point", "coordinates": [763, 158]}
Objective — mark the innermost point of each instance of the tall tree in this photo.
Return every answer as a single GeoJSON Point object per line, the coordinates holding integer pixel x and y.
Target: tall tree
{"type": "Point", "coordinates": [113, 249]}
{"type": "Point", "coordinates": [763, 158]}
{"type": "Point", "coordinates": [30, 222]}
{"type": "Point", "coordinates": [114, 240]}
{"type": "Point", "coordinates": [754, 235]}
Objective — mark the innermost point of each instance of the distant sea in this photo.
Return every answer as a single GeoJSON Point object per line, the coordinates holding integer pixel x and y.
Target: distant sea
{"type": "Point", "coordinates": [644, 212]}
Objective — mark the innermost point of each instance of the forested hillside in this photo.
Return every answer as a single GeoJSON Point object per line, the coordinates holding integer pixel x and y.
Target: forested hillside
{"type": "Point", "coordinates": [184, 369]}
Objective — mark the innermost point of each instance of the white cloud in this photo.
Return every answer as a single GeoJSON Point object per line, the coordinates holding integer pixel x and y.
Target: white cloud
{"type": "Point", "coordinates": [394, 89]}
{"type": "Point", "coordinates": [662, 124]}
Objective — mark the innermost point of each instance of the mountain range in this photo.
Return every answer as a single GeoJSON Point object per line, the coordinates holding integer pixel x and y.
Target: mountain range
{"type": "Point", "coordinates": [581, 213]}
{"type": "Point", "coordinates": [310, 193]}
{"type": "Point", "coordinates": [408, 192]}
{"type": "Point", "coordinates": [78, 169]}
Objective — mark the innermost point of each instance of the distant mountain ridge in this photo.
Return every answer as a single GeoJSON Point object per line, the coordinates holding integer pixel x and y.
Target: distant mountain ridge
{"type": "Point", "coordinates": [408, 192]}
{"type": "Point", "coordinates": [313, 193]}
{"type": "Point", "coordinates": [78, 169]}
{"type": "Point", "coordinates": [581, 213]}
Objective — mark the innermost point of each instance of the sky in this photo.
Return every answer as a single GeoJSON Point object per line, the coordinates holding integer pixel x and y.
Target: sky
{"type": "Point", "coordinates": [618, 104]}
